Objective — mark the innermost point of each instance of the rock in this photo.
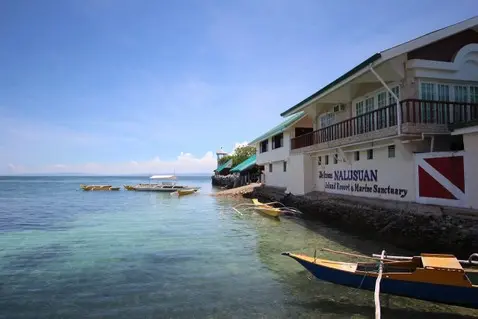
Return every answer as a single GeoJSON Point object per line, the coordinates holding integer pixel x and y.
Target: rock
{"type": "Point", "coordinates": [405, 228]}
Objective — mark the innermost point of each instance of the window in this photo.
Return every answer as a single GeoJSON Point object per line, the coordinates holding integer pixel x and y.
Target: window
{"type": "Point", "coordinates": [396, 91]}
{"type": "Point", "coordinates": [370, 154]}
{"type": "Point", "coordinates": [369, 106]}
{"type": "Point", "coordinates": [326, 159]}
{"type": "Point", "coordinates": [319, 161]}
{"type": "Point", "coordinates": [382, 114]}
{"type": "Point", "coordinates": [264, 146]}
{"type": "Point", "coordinates": [335, 159]}
{"type": "Point", "coordinates": [445, 92]}
{"type": "Point", "coordinates": [357, 156]}
{"type": "Point", "coordinates": [391, 151]}
{"type": "Point", "coordinates": [285, 166]}
{"type": "Point", "coordinates": [327, 119]}
{"type": "Point", "coordinates": [473, 94]}
{"type": "Point", "coordinates": [278, 141]}
{"type": "Point", "coordinates": [270, 168]}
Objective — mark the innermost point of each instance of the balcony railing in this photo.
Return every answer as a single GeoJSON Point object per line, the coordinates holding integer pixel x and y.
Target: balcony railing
{"type": "Point", "coordinates": [412, 111]}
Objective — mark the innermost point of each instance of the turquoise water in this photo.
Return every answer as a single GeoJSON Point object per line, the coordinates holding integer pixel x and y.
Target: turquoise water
{"type": "Point", "coordinates": [66, 253]}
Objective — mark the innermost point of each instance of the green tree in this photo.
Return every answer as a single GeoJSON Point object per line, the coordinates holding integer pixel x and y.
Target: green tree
{"type": "Point", "coordinates": [224, 159]}
{"type": "Point", "coordinates": [242, 153]}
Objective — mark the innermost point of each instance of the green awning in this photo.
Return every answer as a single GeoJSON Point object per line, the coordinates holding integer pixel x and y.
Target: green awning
{"type": "Point", "coordinates": [228, 164]}
{"type": "Point", "coordinates": [280, 128]}
{"type": "Point", "coordinates": [248, 163]}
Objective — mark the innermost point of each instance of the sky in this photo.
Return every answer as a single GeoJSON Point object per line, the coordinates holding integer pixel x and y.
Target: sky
{"type": "Point", "coordinates": [133, 87]}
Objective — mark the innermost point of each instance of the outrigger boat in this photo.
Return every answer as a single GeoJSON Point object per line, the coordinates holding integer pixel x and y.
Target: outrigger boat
{"type": "Point", "coordinates": [188, 191]}
{"type": "Point", "coordinates": [432, 277]}
{"type": "Point", "coordinates": [99, 188]}
{"type": "Point", "coordinates": [267, 208]}
{"type": "Point", "coordinates": [167, 185]}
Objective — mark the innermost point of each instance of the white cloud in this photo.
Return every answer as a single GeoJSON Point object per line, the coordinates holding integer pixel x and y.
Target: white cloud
{"type": "Point", "coordinates": [239, 144]}
{"type": "Point", "coordinates": [184, 163]}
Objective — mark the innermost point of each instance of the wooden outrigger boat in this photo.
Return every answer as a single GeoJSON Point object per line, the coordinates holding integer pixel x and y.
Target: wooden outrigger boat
{"type": "Point", "coordinates": [168, 185]}
{"type": "Point", "coordinates": [181, 192]}
{"type": "Point", "coordinates": [99, 188]}
{"type": "Point", "coordinates": [432, 277]}
{"type": "Point", "coordinates": [268, 209]}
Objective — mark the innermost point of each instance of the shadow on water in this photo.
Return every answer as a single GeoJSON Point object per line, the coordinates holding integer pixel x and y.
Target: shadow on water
{"type": "Point", "coordinates": [354, 242]}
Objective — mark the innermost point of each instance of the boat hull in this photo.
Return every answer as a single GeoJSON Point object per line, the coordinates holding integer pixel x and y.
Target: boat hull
{"type": "Point", "coordinates": [266, 209]}
{"type": "Point", "coordinates": [446, 294]}
{"type": "Point", "coordinates": [182, 192]}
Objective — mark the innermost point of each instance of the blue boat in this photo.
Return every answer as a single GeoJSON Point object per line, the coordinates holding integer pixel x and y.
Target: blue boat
{"type": "Point", "coordinates": [430, 277]}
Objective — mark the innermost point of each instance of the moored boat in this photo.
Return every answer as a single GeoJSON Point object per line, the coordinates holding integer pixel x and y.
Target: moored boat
{"type": "Point", "coordinates": [266, 209]}
{"type": "Point", "coordinates": [98, 187]}
{"type": "Point", "coordinates": [431, 277]}
{"type": "Point", "coordinates": [168, 185]}
{"type": "Point", "coordinates": [188, 191]}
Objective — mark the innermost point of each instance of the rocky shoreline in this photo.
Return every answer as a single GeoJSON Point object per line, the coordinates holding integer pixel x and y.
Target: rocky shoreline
{"type": "Point", "coordinates": [417, 228]}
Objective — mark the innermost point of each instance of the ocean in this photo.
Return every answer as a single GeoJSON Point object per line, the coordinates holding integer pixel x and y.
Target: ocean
{"type": "Point", "coordinates": [67, 253]}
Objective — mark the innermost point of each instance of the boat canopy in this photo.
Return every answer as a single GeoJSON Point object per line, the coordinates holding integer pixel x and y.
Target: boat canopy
{"type": "Point", "coordinates": [163, 177]}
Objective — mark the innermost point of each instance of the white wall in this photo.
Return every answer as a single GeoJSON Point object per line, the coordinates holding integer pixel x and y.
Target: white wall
{"type": "Point", "coordinates": [463, 68]}
{"type": "Point", "coordinates": [274, 155]}
{"type": "Point", "coordinates": [277, 177]}
{"type": "Point", "coordinates": [396, 173]}
{"type": "Point", "coordinates": [470, 142]}
{"type": "Point", "coordinates": [299, 177]}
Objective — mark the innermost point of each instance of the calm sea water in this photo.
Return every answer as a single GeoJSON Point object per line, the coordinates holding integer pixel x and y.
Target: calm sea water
{"type": "Point", "coordinates": [65, 253]}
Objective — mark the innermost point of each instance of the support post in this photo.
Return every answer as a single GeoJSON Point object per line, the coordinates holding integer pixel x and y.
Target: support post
{"type": "Point", "coordinates": [397, 100]}
{"type": "Point", "coordinates": [377, 286]}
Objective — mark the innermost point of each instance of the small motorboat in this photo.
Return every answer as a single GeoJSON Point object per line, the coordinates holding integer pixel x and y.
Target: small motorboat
{"type": "Point", "coordinates": [432, 277]}
{"type": "Point", "coordinates": [266, 209]}
{"type": "Point", "coordinates": [128, 187]}
{"type": "Point", "coordinates": [98, 187]}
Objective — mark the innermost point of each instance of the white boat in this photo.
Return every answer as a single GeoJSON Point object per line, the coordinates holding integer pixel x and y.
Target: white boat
{"type": "Point", "coordinates": [167, 185]}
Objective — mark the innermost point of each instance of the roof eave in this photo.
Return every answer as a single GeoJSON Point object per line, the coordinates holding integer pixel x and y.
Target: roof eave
{"type": "Point", "coordinates": [337, 82]}
{"type": "Point", "coordinates": [267, 135]}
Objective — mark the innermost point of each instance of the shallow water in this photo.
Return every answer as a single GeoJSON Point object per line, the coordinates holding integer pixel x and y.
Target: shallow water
{"type": "Point", "coordinates": [65, 253]}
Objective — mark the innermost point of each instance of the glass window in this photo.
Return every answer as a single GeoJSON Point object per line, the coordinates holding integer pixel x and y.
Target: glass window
{"type": "Point", "coordinates": [427, 91]}
{"type": "Point", "coordinates": [391, 151]}
{"type": "Point", "coordinates": [327, 120]}
{"type": "Point", "coordinates": [473, 94]}
{"type": "Point", "coordinates": [285, 166]}
{"type": "Point", "coordinates": [396, 91]}
{"type": "Point", "coordinates": [382, 99]}
{"type": "Point", "coordinates": [357, 156]}
{"type": "Point", "coordinates": [461, 93]}
{"type": "Point", "coordinates": [359, 108]}
{"type": "Point", "coordinates": [326, 159]}
{"type": "Point", "coordinates": [370, 154]}
{"type": "Point", "coordinates": [335, 159]}
{"type": "Point", "coordinates": [270, 168]}
{"type": "Point", "coordinates": [319, 160]}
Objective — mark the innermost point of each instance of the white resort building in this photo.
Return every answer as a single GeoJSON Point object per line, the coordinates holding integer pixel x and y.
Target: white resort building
{"type": "Point", "coordinates": [401, 125]}
{"type": "Point", "coordinates": [274, 148]}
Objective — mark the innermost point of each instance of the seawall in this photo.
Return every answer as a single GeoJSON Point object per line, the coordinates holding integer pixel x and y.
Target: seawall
{"type": "Point", "coordinates": [415, 227]}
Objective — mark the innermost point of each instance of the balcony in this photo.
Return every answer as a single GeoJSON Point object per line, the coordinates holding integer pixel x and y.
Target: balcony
{"type": "Point", "coordinates": [417, 116]}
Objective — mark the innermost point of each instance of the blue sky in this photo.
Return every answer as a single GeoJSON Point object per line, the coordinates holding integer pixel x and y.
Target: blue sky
{"type": "Point", "coordinates": [119, 86]}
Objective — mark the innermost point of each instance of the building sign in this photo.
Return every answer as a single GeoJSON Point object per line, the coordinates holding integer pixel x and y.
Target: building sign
{"type": "Point", "coordinates": [359, 181]}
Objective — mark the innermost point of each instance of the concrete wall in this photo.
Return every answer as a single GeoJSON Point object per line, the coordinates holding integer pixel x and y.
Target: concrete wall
{"type": "Point", "coordinates": [395, 176]}
{"type": "Point", "coordinates": [299, 179]}
{"type": "Point", "coordinates": [470, 142]}
{"type": "Point", "coordinates": [274, 155]}
{"type": "Point", "coordinates": [277, 157]}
